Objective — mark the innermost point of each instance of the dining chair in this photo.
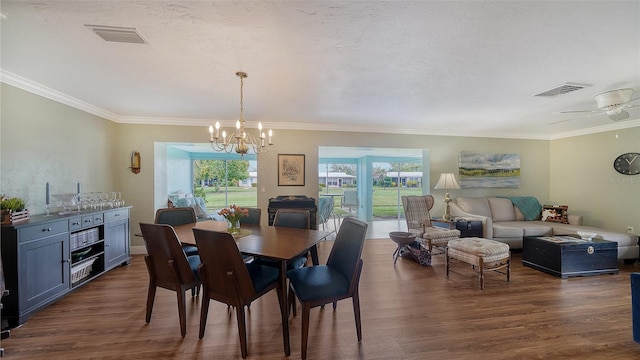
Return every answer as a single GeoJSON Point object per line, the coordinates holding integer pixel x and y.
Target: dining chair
{"type": "Point", "coordinates": [418, 218]}
{"type": "Point", "coordinates": [350, 199]}
{"type": "Point", "coordinates": [290, 218]}
{"type": "Point", "coordinates": [338, 279]}
{"type": "Point", "coordinates": [253, 218]}
{"type": "Point", "coordinates": [169, 268]}
{"type": "Point", "coordinates": [178, 216]}
{"type": "Point", "coordinates": [228, 279]}
{"type": "Point", "coordinates": [325, 211]}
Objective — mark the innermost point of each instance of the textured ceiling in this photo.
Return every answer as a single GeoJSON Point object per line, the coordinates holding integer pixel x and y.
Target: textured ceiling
{"type": "Point", "coordinates": [420, 67]}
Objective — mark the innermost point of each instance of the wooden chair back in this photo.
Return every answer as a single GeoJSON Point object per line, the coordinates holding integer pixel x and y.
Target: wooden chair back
{"type": "Point", "coordinates": [175, 216]}
{"type": "Point", "coordinates": [166, 257]}
{"type": "Point", "coordinates": [253, 218]}
{"type": "Point", "coordinates": [223, 272]}
{"type": "Point", "coordinates": [292, 218]}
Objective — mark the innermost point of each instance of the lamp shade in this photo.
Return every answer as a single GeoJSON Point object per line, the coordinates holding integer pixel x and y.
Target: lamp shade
{"type": "Point", "coordinates": [447, 181]}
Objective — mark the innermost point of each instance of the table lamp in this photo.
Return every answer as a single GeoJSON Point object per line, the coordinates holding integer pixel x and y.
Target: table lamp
{"type": "Point", "coordinates": [447, 181]}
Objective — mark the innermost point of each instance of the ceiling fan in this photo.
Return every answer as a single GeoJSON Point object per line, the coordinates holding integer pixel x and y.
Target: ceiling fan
{"type": "Point", "coordinates": [613, 103]}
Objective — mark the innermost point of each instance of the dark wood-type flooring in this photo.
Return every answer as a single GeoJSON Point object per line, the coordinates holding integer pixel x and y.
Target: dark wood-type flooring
{"type": "Point", "coordinates": [408, 312]}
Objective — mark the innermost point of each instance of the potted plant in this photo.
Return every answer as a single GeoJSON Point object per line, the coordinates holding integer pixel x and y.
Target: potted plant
{"type": "Point", "coordinates": [13, 209]}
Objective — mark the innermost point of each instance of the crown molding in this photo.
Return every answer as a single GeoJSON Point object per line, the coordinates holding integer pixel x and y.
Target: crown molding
{"type": "Point", "coordinates": [44, 91]}
{"type": "Point", "coordinates": [620, 125]}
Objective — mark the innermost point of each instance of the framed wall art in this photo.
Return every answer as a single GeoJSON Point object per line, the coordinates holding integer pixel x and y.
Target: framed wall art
{"type": "Point", "coordinates": [478, 170]}
{"type": "Point", "coordinates": [290, 169]}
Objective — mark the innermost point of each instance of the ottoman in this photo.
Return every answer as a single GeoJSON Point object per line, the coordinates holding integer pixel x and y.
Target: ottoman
{"type": "Point", "coordinates": [483, 254]}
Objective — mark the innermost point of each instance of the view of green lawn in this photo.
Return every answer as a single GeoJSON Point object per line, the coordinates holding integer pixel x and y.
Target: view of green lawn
{"type": "Point", "coordinates": [385, 200]}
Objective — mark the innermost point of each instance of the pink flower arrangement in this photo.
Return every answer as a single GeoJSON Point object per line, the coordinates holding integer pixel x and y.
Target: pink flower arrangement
{"type": "Point", "coordinates": [233, 213]}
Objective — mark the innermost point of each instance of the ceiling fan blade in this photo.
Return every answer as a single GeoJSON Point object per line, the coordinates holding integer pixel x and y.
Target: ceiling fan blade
{"type": "Point", "coordinates": [578, 111]}
{"type": "Point", "coordinates": [576, 118]}
{"type": "Point", "coordinates": [619, 116]}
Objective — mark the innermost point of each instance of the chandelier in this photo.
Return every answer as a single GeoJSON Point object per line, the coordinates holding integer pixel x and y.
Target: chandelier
{"type": "Point", "coordinates": [240, 140]}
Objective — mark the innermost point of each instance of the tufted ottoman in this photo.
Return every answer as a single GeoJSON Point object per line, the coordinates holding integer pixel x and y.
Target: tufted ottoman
{"type": "Point", "coordinates": [482, 253]}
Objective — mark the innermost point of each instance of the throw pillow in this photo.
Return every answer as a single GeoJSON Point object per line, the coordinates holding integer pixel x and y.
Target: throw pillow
{"type": "Point", "coordinates": [200, 208]}
{"type": "Point", "coordinates": [555, 213]}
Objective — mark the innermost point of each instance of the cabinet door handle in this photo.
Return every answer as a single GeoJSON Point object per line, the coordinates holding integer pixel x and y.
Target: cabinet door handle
{"type": "Point", "coordinates": [87, 221]}
{"type": "Point", "coordinates": [66, 260]}
{"type": "Point", "coordinates": [76, 223]}
{"type": "Point", "coordinates": [116, 214]}
{"type": "Point", "coordinates": [46, 229]}
{"type": "Point", "coordinates": [107, 245]}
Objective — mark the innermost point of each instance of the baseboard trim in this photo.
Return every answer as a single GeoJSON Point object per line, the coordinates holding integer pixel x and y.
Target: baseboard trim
{"type": "Point", "coordinates": [138, 250]}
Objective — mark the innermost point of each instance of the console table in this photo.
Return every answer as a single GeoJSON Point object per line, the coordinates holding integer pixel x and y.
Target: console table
{"type": "Point", "coordinates": [49, 256]}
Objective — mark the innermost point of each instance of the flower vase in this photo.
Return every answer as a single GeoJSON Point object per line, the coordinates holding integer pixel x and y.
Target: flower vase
{"type": "Point", "coordinates": [234, 227]}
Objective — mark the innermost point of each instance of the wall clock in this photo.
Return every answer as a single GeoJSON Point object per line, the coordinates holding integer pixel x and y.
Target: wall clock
{"type": "Point", "coordinates": [627, 164]}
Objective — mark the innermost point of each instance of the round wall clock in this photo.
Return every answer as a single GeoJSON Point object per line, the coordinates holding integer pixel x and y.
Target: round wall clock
{"type": "Point", "coordinates": [627, 164]}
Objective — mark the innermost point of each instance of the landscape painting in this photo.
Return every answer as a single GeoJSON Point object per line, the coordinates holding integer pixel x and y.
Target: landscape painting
{"type": "Point", "coordinates": [489, 170]}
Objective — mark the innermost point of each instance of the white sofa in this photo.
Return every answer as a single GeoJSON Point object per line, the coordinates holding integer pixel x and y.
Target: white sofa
{"type": "Point", "coordinates": [504, 222]}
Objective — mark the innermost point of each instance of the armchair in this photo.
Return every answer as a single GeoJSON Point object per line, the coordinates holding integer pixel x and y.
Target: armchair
{"type": "Point", "coordinates": [416, 212]}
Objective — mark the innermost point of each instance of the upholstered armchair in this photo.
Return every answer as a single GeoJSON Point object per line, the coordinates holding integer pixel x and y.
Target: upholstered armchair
{"type": "Point", "coordinates": [416, 212]}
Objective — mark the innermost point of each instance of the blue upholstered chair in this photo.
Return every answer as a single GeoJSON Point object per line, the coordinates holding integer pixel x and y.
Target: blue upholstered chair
{"type": "Point", "coordinates": [291, 218]}
{"type": "Point", "coordinates": [169, 268]}
{"type": "Point", "coordinates": [253, 218]}
{"type": "Point", "coordinates": [635, 305]}
{"type": "Point", "coordinates": [338, 279]}
{"type": "Point", "coordinates": [178, 216]}
{"type": "Point", "coordinates": [228, 279]}
{"type": "Point", "coordinates": [325, 211]}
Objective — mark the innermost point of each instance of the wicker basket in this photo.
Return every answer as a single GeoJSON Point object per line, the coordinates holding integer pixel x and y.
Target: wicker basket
{"type": "Point", "coordinates": [12, 217]}
{"type": "Point", "coordinates": [81, 271]}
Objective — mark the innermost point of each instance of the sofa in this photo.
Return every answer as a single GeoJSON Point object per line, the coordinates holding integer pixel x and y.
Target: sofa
{"type": "Point", "coordinates": [504, 221]}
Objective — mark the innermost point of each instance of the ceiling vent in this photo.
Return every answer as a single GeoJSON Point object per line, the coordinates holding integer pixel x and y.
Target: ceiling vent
{"type": "Point", "coordinates": [562, 89]}
{"type": "Point", "coordinates": [118, 34]}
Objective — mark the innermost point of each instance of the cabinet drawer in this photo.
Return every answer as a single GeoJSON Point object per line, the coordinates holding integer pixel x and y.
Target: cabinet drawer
{"type": "Point", "coordinates": [43, 230]}
{"type": "Point", "coordinates": [98, 219]}
{"type": "Point", "coordinates": [75, 223]}
{"type": "Point", "coordinates": [87, 221]}
{"type": "Point", "coordinates": [116, 215]}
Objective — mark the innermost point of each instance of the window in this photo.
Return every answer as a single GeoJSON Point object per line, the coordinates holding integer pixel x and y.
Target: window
{"type": "Point", "coordinates": [225, 182]}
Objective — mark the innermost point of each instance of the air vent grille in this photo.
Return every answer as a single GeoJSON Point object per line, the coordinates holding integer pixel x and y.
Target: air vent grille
{"type": "Point", "coordinates": [562, 89]}
{"type": "Point", "coordinates": [118, 34]}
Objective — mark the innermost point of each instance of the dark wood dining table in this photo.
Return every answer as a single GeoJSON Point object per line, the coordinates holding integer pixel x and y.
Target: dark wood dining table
{"type": "Point", "coordinates": [277, 243]}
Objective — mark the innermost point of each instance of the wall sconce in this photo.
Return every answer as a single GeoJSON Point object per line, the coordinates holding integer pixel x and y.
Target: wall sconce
{"type": "Point", "coordinates": [135, 162]}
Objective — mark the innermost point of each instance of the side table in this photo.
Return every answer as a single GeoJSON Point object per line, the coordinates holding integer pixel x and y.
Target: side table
{"type": "Point", "coordinates": [468, 228]}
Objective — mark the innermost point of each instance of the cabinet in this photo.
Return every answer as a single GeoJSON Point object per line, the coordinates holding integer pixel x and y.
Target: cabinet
{"type": "Point", "coordinates": [468, 228]}
{"type": "Point", "coordinates": [116, 238]}
{"type": "Point", "coordinates": [48, 256]}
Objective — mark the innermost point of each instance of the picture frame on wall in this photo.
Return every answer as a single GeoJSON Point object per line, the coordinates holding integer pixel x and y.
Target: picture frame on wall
{"type": "Point", "coordinates": [483, 170]}
{"type": "Point", "coordinates": [291, 170]}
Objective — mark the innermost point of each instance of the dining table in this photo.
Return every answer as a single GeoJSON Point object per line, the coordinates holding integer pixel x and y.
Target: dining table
{"type": "Point", "coordinates": [272, 242]}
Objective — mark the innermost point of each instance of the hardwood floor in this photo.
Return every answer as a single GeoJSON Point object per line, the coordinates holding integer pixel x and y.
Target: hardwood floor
{"type": "Point", "coordinates": [408, 312]}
